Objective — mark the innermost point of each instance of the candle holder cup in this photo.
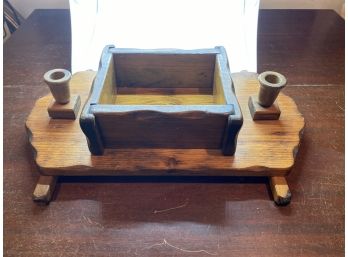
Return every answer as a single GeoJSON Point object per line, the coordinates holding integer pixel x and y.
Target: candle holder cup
{"type": "Point", "coordinates": [271, 83]}
{"type": "Point", "coordinates": [58, 82]}
{"type": "Point", "coordinates": [63, 106]}
{"type": "Point", "coordinates": [264, 106]}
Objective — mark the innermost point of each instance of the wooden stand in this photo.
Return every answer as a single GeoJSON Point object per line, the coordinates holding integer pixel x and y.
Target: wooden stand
{"type": "Point", "coordinates": [265, 148]}
{"type": "Point", "coordinates": [261, 113]}
{"type": "Point", "coordinates": [65, 111]}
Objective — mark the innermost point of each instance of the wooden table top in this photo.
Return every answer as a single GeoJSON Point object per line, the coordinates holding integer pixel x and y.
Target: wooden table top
{"type": "Point", "coordinates": [178, 216]}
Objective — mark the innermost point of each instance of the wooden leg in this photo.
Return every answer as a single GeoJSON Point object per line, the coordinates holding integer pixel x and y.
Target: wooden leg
{"type": "Point", "coordinates": [280, 190]}
{"type": "Point", "coordinates": [44, 189]}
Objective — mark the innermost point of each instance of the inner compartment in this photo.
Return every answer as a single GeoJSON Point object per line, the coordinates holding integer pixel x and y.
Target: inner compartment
{"type": "Point", "coordinates": [163, 79]}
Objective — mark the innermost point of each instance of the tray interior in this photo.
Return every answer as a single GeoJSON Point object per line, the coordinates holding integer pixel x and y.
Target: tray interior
{"type": "Point", "coordinates": [163, 79]}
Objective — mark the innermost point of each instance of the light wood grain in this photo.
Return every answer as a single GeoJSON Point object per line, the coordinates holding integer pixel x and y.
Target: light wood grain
{"type": "Point", "coordinates": [44, 189]}
{"type": "Point", "coordinates": [280, 190]}
{"type": "Point", "coordinates": [217, 85]}
{"type": "Point", "coordinates": [265, 148]}
{"type": "Point", "coordinates": [108, 94]}
{"type": "Point", "coordinates": [165, 99]}
{"type": "Point", "coordinates": [165, 90]}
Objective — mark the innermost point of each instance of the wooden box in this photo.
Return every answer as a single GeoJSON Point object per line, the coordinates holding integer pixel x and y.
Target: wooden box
{"type": "Point", "coordinates": [162, 99]}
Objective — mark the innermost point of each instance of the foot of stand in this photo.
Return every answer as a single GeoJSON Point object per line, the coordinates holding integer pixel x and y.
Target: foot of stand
{"type": "Point", "coordinates": [280, 190]}
{"type": "Point", "coordinates": [44, 189]}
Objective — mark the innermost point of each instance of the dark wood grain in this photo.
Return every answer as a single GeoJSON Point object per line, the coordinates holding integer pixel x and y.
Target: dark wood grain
{"type": "Point", "coordinates": [306, 46]}
{"type": "Point", "coordinates": [153, 129]}
{"type": "Point", "coordinates": [164, 70]}
{"type": "Point", "coordinates": [227, 216]}
{"type": "Point", "coordinates": [42, 43]}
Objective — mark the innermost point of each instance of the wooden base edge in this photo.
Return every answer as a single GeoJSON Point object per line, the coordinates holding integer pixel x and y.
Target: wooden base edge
{"type": "Point", "coordinates": [44, 189]}
{"type": "Point", "coordinates": [280, 190]}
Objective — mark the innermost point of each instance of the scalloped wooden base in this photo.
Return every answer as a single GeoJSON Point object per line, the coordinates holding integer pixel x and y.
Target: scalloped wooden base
{"type": "Point", "coordinates": [265, 148]}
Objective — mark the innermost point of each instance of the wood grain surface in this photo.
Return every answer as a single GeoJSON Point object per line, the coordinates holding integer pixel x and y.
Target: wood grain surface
{"type": "Point", "coordinates": [181, 99]}
{"type": "Point", "coordinates": [307, 47]}
{"type": "Point", "coordinates": [163, 70]}
{"type": "Point", "coordinates": [229, 216]}
{"type": "Point", "coordinates": [264, 147]}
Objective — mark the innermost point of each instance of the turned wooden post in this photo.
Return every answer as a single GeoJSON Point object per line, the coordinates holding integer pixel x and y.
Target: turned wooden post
{"type": "Point", "coordinates": [63, 106]}
{"type": "Point", "coordinates": [58, 82]}
{"type": "Point", "coordinates": [271, 83]}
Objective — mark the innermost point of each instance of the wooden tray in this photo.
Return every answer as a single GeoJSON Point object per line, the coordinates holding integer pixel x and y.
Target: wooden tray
{"type": "Point", "coordinates": [152, 98]}
{"type": "Point", "coordinates": [265, 148]}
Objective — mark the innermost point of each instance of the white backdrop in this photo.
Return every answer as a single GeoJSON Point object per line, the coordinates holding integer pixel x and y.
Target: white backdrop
{"type": "Point", "coordinates": [183, 24]}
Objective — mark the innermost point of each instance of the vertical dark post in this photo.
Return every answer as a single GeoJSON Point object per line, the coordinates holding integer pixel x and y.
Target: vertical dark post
{"type": "Point", "coordinates": [89, 127]}
{"type": "Point", "coordinates": [88, 123]}
{"type": "Point", "coordinates": [234, 124]}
